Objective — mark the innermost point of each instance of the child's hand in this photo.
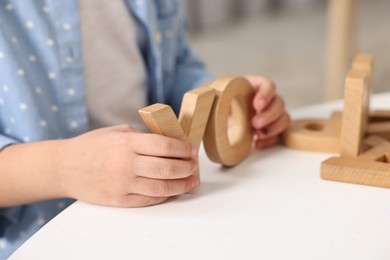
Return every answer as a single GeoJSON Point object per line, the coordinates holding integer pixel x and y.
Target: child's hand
{"type": "Point", "coordinates": [117, 166]}
{"type": "Point", "coordinates": [271, 118]}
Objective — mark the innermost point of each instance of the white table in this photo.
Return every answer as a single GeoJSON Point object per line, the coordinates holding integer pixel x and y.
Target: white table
{"type": "Point", "coordinates": [272, 206]}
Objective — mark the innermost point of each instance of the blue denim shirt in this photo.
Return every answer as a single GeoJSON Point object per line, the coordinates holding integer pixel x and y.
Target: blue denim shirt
{"type": "Point", "coordinates": [42, 92]}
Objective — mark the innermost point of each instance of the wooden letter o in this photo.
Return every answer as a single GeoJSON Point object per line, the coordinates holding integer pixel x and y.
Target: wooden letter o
{"type": "Point", "coordinates": [224, 144]}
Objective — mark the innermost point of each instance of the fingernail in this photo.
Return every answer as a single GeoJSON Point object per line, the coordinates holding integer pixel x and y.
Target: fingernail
{"type": "Point", "coordinates": [195, 182]}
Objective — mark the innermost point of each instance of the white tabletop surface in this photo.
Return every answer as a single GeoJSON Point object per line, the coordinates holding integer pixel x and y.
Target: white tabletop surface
{"type": "Point", "coordinates": [274, 205]}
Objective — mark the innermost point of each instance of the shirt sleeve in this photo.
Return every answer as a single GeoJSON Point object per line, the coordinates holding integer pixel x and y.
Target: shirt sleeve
{"type": "Point", "coordinates": [8, 216]}
{"type": "Point", "coordinates": [5, 141]}
{"type": "Point", "coordinates": [191, 72]}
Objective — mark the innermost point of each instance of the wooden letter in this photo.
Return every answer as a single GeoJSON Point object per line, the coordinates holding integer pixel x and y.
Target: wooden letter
{"type": "Point", "coordinates": [370, 168]}
{"type": "Point", "coordinates": [314, 134]}
{"type": "Point", "coordinates": [365, 62]}
{"type": "Point", "coordinates": [324, 135]}
{"type": "Point", "coordinates": [194, 113]}
{"type": "Point", "coordinates": [356, 163]}
{"type": "Point", "coordinates": [379, 123]}
{"type": "Point", "coordinates": [355, 114]}
{"type": "Point", "coordinates": [225, 145]}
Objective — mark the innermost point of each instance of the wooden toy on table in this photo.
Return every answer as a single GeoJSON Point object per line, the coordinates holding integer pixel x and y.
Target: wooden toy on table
{"type": "Point", "coordinates": [194, 113]}
{"type": "Point", "coordinates": [323, 135]}
{"type": "Point", "coordinates": [224, 145]}
{"type": "Point", "coordinates": [379, 124]}
{"type": "Point", "coordinates": [205, 113]}
{"type": "Point", "coordinates": [316, 135]}
{"type": "Point", "coordinates": [355, 113]}
{"type": "Point", "coordinates": [371, 167]}
{"type": "Point", "coordinates": [357, 92]}
{"type": "Point", "coordinates": [360, 136]}
{"type": "Point", "coordinates": [363, 160]}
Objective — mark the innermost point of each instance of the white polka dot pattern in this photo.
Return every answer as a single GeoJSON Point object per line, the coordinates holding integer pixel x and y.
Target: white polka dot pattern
{"type": "Point", "coordinates": [42, 83]}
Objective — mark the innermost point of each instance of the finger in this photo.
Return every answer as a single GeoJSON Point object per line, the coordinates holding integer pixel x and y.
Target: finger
{"type": "Point", "coordinates": [166, 188]}
{"type": "Point", "coordinates": [125, 128]}
{"type": "Point", "coordinates": [163, 168]}
{"type": "Point", "coordinates": [261, 144]}
{"type": "Point", "coordinates": [118, 128]}
{"type": "Point", "coordinates": [131, 201]}
{"type": "Point", "coordinates": [275, 128]}
{"type": "Point", "coordinates": [265, 91]}
{"type": "Point", "coordinates": [159, 145]}
{"type": "Point", "coordinates": [135, 200]}
{"type": "Point", "coordinates": [275, 110]}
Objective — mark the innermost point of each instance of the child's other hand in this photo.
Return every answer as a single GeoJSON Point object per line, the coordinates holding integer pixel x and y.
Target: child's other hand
{"type": "Point", "coordinates": [270, 118]}
{"type": "Point", "coordinates": [117, 166]}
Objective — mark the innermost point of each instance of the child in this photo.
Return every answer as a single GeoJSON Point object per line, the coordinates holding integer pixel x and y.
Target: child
{"type": "Point", "coordinates": [70, 67]}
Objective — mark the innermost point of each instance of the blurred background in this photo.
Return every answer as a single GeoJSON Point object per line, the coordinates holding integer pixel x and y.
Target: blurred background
{"type": "Point", "coordinates": [286, 40]}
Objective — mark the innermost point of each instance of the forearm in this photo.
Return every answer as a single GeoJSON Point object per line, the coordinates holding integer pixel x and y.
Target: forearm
{"type": "Point", "coordinates": [28, 173]}
{"type": "Point", "coordinates": [113, 166]}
